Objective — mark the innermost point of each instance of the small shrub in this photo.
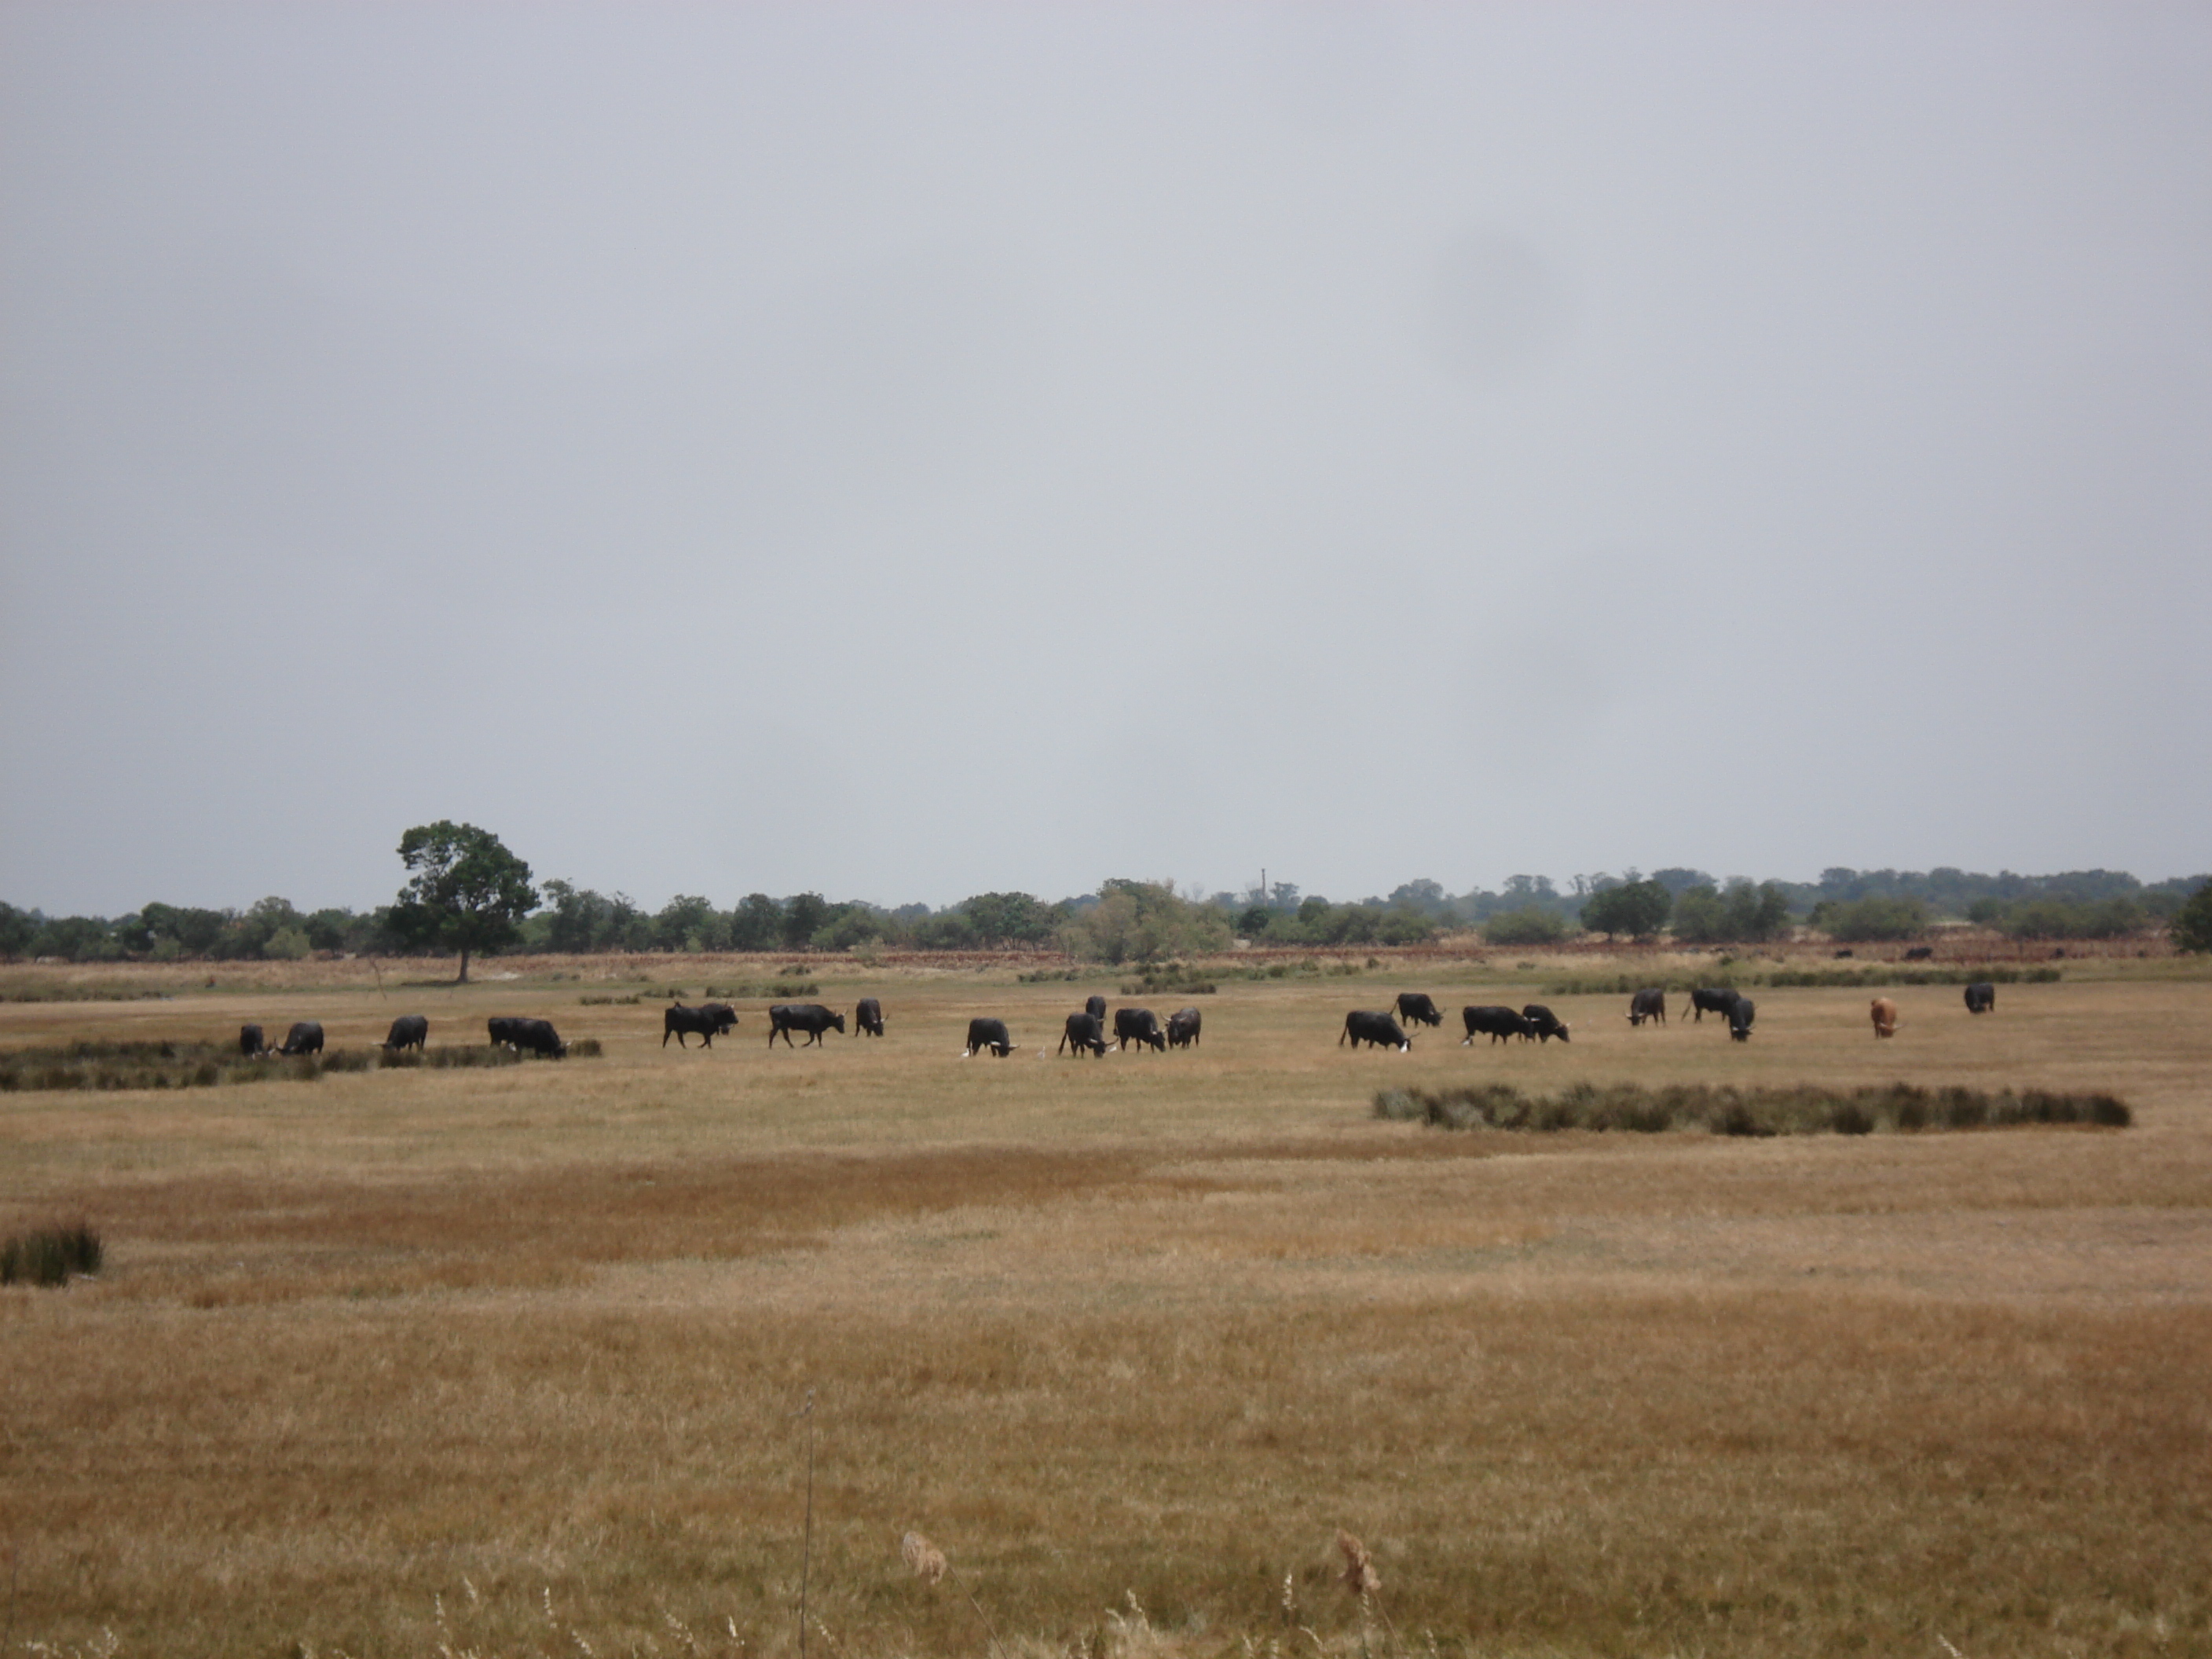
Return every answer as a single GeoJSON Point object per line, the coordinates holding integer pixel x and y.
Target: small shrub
{"type": "Point", "coordinates": [1167, 979]}
{"type": "Point", "coordinates": [50, 1256]}
{"type": "Point", "coordinates": [1531, 925]}
{"type": "Point", "coordinates": [585, 1048]}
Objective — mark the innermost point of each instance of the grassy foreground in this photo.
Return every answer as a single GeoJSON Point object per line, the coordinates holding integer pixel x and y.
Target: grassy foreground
{"type": "Point", "coordinates": [501, 1360]}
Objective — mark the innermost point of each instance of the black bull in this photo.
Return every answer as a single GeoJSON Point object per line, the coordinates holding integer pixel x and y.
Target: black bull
{"type": "Point", "coordinates": [811, 1018]}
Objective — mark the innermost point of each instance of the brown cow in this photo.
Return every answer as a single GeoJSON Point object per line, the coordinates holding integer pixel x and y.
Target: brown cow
{"type": "Point", "coordinates": [1885, 1017]}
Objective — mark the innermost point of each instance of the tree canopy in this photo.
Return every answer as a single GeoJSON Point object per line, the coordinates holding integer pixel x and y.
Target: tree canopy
{"type": "Point", "coordinates": [467, 893]}
{"type": "Point", "coordinates": [1743, 915]}
{"type": "Point", "coordinates": [1638, 909]}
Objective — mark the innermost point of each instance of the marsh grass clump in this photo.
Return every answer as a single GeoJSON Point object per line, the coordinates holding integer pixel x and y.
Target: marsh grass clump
{"type": "Point", "coordinates": [50, 1256]}
{"type": "Point", "coordinates": [584, 1049]}
{"type": "Point", "coordinates": [1801, 1109]}
{"type": "Point", "coordinates": [102, 1067]}
{"type": "Point", "coordinates": [1167, 979]}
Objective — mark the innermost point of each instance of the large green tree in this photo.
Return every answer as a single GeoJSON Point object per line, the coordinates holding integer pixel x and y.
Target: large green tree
{"type": "Point", "coordinates": [467, 892]}
{"type": "Point", "coordinates": [2192, 923]}
{"type": "Point", "coordinates": [1639, 909]}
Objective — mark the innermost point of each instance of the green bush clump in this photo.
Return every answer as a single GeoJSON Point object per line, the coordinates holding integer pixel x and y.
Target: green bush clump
{"type": "Point", "coordinates": [2192, 925]}
{"type": "Point", "coordinates": [1530, 925]}
{"type": "Point", "coordinates": [1169, 979]}
{"type": "Point", "coordinates": [1805, 1109]}
{"type": "Point", "coordinates": [50, 1256]}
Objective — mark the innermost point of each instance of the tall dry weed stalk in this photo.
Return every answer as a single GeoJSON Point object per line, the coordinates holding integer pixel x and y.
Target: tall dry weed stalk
{"type": "Point", "coordinates": [807, 1549]}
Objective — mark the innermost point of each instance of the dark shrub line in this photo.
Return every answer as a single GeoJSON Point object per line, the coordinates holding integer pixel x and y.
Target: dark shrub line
{"type": "Point", "coordinates": [50, 1256]}
{"type": "Point", "coordinates": [1802, 979]}
{"type": "Point", "coordinates": [793, 987]}
{"type": "Point", "coordinates": [105, 1066]}
{"type": "Point", "coordinates": [1803, 1110]}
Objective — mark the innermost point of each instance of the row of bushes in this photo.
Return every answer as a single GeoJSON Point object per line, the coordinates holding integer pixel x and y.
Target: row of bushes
{"type": "Point", "coordinates": [1803, 1109]}
{"type": "Point", "coordinates": [742, 990]}
{"type": "Point", "coordinates": [105, 1066]}
{"type": "Point", "coordinates": [1742, 977]}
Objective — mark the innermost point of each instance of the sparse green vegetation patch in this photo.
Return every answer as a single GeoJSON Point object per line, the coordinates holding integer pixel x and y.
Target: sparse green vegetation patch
{"type": "Point", "coordinates": [1801, 1109]}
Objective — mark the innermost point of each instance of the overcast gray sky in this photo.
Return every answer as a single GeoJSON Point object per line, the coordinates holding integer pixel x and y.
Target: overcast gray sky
{"type": "Point", "coordinates": [902, 451]}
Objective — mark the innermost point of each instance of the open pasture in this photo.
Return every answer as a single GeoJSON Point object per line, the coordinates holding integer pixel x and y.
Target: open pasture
{"type": "Point", "coordinates": [497, 1359]}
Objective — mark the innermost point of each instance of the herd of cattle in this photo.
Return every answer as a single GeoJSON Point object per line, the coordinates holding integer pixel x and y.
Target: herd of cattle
{"type": "Point", "coordinates": [1085, 1032]}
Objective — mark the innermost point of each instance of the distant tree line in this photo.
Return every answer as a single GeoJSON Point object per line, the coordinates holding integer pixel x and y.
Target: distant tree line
{"type": "Point", "coordinates": [467, 894]}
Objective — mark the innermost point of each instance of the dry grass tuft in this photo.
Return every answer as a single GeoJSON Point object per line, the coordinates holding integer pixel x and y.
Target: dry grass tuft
{"type": "Point", "coordinates": [924, 1558]}
{"type": "Point", "coordinates": [1358, 1576]}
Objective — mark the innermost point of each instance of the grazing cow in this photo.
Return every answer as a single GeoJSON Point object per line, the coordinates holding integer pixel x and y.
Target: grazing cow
{"type": "Point", "coordinates": [1499, 1023]}
{"type": "Point", "coordinates": [1182, 1028]}
{"type": "Point", "coordinates": [408, 1031]}
{"type": "Point", "coordinates": [1415, 1006]}
{"type": "Point", "coordinates": [1546, 1023]}
{"type": "Point", "coordinates": [535, 1036]}
{"type": "Point", "coordinates": [1885, 1017]}
{"type": "Point", "coordinates": [1085, 1031]}
{"type": "Point", "coordinates": [708, 1021]}
{"type": "Point", "coordinates": [811, 1018]}
{"type": "Point", "coordinates": [1920, 953]}
{"type": "Point", "coordinates": [868, 1016]}
{"type": "Point", "coordinates": [1981, 997]}
{"type": "Point", "coordinates": [251, 1042]}
{"type": "Point", "coordinates": [1380, 1029]}
{"type": "Point", "coordinates": [1140, 1026]}
{"type": "Point", "coordinates": [1715, 999]}
{"type": "Point", "coordinates": [988, 1034]}
{"type": "Point", "coordinates": [1095, 1007]}
{"type": "Point", "coordinates": [1738, 1018]}
{"type": "Point", "coordinates": [306, 1037]}
{"type": "Point", "coordinates": [1647, 1005]}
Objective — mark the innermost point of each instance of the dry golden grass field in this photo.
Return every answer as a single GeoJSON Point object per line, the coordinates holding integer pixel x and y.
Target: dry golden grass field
{"type": "Point", "coordinates": [508, 1361]}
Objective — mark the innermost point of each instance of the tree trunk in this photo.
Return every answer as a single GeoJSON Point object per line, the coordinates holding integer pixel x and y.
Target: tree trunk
{"type": "Point", "coordinates": [463, 979]}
